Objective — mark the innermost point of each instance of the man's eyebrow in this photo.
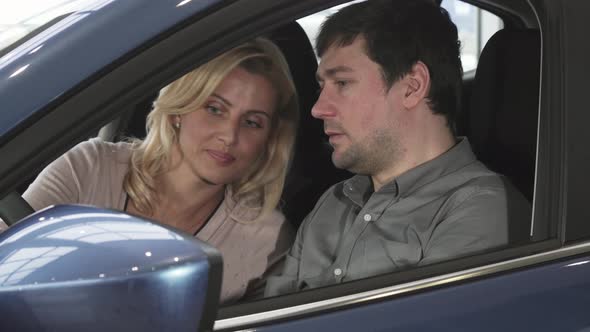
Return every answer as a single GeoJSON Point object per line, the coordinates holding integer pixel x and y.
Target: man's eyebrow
{"type": "Point", "coordinates": [331, 72]}
{"type": "Point", "coordinates": [225, 101]}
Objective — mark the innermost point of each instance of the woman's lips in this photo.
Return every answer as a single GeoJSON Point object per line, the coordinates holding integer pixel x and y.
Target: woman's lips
{"type": "Point", "coordinates": [221, 157]}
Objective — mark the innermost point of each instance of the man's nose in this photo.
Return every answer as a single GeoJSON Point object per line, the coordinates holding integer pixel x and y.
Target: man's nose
{"type": "Point", "coordinates": [322, 108]}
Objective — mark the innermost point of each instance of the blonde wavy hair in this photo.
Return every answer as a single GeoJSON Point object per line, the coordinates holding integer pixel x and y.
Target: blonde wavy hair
{"type": "Point", "coordinates": [265, 179]}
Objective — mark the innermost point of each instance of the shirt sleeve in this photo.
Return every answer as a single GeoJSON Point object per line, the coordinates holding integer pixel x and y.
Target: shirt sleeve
{"type": "Point", "coordinates": [479, 222]}
{"type": "Point", "coordinates": [62, 181]}
{"type": "Point", "coordinates": [287, 281]}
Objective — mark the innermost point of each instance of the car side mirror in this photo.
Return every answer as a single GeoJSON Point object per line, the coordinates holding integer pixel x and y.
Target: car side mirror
{"type": "Point", "coordinates": [79, 268]}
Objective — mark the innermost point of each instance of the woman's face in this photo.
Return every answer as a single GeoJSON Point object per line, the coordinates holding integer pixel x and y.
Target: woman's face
{"type": "Point", "coordinates": [223, 139]}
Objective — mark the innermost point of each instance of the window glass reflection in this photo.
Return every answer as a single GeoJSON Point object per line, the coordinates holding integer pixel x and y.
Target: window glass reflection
{"type": "Point", "coordinates": [101, 232]}
{"type": "Point", "coordinates": [19, 18]}
{"type": "Point", "coordinates": [18, 265]}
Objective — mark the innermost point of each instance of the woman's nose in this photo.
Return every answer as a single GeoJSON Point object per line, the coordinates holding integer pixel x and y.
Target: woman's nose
{"type": "Point", "coordinates": [228, 133]}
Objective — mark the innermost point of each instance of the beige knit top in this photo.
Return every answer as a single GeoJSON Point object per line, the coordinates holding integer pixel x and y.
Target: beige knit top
{"type": "Point", "coordinates": [92, 173]}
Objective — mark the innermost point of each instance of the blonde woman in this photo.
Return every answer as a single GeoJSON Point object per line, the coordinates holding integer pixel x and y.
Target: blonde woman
{"type": "Point", "coordinates": [213, 163]}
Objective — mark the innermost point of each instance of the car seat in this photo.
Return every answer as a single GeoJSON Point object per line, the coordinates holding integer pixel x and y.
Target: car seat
{"type": "Point", "coordinates": [312, 171]}
{"type": "Point", "coordinates": [504, 110]}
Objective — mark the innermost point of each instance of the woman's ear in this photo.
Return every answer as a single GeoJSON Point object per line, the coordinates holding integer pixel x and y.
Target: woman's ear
{"type": "Point", "coordinates": [416, 85]}
{"type": "Point", "coordinates": [175, 120]}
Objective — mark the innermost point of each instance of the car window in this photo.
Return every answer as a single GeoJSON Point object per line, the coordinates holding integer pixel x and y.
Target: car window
{"type": "Point", "coordinates": [475, 27]}
{"type": "Point", "coordinates": [311, 24]}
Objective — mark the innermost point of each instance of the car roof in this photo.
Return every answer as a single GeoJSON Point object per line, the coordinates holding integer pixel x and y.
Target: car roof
{"type": "Point", "coordinates": [59, 58]}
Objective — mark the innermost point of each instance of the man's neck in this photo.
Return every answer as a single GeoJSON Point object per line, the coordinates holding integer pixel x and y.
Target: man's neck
{"type": "Point", "coordinates": [430, 143]}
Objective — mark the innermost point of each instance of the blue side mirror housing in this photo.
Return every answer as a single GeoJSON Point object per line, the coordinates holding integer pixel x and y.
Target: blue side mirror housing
{"type": "Point", "coordinates": [79, 268]}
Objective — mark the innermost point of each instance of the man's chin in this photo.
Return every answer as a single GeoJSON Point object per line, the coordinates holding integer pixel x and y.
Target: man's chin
{"type": "Point", "coordinates": [340, 162]}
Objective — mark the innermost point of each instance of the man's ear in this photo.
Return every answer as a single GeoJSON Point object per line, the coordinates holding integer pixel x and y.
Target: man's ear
{"type": "Point", "coordinates": [416, 85]}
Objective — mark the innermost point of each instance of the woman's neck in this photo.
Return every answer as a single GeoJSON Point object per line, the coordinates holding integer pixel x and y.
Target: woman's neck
{"type": "Point", "coordinates": [181, 189]}
{"type": "Point", "coordinates": [183, 200]}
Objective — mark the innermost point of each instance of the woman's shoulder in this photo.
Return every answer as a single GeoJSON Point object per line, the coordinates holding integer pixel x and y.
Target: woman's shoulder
{"type": "Point", "coordinates": [284, 230]}
{"type": "Point", "coordinates": [98, 150]}
{"type": "Point", "coordinates": [98, 145]}
{"type": "Point", "coordinates": [271, 224]}
{"type": "Point", "coordinates": [274, 219]}
{"type": "Point", "coordinates": [246, 209]}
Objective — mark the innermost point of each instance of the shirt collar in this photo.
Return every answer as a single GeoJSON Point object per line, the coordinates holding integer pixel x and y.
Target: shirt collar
{"type": "Point", "coordinates": [457, 157]}
{"type": "Point", "coordinates": [360, 187]}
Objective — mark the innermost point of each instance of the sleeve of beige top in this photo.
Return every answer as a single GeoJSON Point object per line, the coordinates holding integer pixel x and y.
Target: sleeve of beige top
{"type": "Point", "coordinates": [63, 181]}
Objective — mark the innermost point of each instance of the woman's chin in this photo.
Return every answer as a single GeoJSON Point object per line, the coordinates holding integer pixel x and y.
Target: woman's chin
{"type": "Point", "coordinates": [217, 179]}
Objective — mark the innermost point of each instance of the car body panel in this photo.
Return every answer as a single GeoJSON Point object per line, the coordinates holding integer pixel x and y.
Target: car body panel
{"type": "Point", "coordinates": [80, 45]}
{"type": "Point", "coordinates": [551, 297]}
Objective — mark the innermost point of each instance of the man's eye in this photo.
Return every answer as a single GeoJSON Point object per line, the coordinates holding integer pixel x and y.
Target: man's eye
{"type": "Point", "coordinates": [341, 84]}
{"type": "Point", "coordinates": [320, 88]}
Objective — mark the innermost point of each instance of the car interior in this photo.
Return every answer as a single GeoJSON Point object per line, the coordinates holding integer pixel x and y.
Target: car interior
{"type": "Point", "coordinates": [499, 117]}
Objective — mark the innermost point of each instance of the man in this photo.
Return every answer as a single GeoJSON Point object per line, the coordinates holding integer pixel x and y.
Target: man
{"type": "Point", "coordinates": [390, 77]}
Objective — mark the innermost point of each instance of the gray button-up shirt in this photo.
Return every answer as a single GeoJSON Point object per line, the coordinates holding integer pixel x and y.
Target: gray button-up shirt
{"type": "Point", "coordinates": [445, 208]}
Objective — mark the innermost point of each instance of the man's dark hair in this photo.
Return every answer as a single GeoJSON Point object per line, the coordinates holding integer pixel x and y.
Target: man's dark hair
{"type": "Point", "coordinates": [398, 34]}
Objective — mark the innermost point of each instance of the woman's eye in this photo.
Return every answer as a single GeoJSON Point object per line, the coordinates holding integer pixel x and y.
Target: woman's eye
{"type": "Point", "coordinates": [213, 110]}
{"type": "Point", "coordinates": [253, 124]}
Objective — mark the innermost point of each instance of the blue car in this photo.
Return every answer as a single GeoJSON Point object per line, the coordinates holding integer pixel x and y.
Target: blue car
{"type": "Point", "coordinates": [93, 69]}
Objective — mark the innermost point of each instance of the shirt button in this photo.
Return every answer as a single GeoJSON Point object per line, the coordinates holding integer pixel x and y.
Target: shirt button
{"type": "Point", "coordinates": [337, 272]}
{"type": "Point", "coordinates": [367, 217]}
